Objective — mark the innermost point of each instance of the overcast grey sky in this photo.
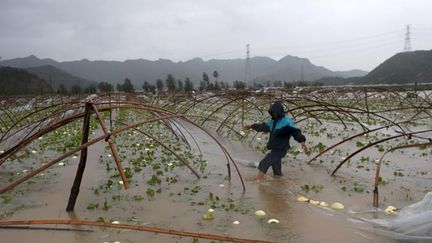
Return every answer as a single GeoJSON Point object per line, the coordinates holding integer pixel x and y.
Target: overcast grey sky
{"type": "Point", "coordinates": [337, 34]}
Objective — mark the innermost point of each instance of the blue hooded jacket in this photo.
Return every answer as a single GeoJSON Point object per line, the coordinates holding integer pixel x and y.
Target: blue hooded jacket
{"type": "Point", "coordinates": [280, 127]}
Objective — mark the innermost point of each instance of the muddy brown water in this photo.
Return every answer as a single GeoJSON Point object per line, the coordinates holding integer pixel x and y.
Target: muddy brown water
{"type": "Point", "coordinates": [299, 222]}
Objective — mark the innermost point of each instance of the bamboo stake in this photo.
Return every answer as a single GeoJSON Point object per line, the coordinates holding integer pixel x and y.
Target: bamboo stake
{"type": "Point", "coordinates": [378, 168]}
{"type": "Point", "coordinates": [83, 159]}
{"type": "Point", "coordinates": [43, 228]}
{"type": "Point", "coordinates": [133, 227]}
{"type": "Point", "coordinates": [112, 147]}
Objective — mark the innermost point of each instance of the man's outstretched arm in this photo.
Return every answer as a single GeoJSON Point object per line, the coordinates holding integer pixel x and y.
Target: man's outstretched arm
{"type": "Point", "coordinates": [261, 127]}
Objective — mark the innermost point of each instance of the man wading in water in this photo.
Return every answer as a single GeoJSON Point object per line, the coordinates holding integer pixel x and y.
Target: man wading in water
{"type": "Point", "coordinates": [281, 129]}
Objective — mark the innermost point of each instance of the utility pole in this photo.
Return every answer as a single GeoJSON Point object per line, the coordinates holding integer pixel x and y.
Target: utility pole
{"type": "Point", "coordinates": [50, 84]}
{"type": "Point", "coordinates": [407, 45]}
{"type": "Point", "coordinates": [302, 72]}
{"type": "Point", "coordinates": [247, 66]}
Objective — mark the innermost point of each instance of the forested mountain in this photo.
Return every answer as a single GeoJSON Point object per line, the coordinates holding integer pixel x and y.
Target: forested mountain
{"type": "Point", "coordinates": [55, 77]}
{"type": "Point", "coordinates": [405, 67]}
{"type": "Point", "coordinates": [289, 68]}
{"type": "Point", "coordinates": [15, 81]}
{"type": "Point", "coordinates": [402, 68]}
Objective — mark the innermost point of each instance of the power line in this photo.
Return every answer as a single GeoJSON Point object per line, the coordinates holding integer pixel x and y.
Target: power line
{"type": "Point", "coordinates": [361, 44]}
{"type": "Point", "coordinates": [357, 50]}
{"type": "Point", "coordinates": [372, 38]}
{"type": "Point", "coordinates": [394, 33]}
{"type": "Point", "coordinates": [337, 51]}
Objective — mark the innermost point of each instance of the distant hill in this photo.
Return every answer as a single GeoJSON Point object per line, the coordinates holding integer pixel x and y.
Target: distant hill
{"type": "Point", "coordinates": [15, 81]}
{"type": "Point", "coordinates": [262, 69]}
{"type": "Point", "coordinates": [405, 67]}
{"type": "Point", "coordinates": [338, 80]}
{"type": "Point", "coordinates": [56, 76]}
{"type": "Point", "coordinates": [402, 68]}
{"type": "Point", "coordinates": [352, 73]}
{"type": "Point", "coordinates": [291, 68]}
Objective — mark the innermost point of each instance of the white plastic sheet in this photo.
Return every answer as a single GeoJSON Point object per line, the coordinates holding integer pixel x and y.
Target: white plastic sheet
{"type": "Point", "coordinates": [413, 222]}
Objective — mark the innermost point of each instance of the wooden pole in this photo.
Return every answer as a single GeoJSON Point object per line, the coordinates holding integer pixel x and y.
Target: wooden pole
{"type": "Point", "coordinates": [134, 227]}
{"type": "Point", "coordinates": [366, 101]}
{"type": "Point", "coordinates": [110, 111]}
{"type": "Point", "coordinates": [111, 144]}
{"type": "Point", "coordinates": [83, 159]}
{"type": "Point", "coordinates": [242, 115]}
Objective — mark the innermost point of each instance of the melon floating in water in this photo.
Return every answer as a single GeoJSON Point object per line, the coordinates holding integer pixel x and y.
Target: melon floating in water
{"type": "Point", "coordinates": [314, 202]}
{"type": "Point", "coordinates": [208, 216]}
{"type": "Point", "coordinates": [260, 213]}
{"type": "Point", "coordinates": [302, 199]}
{"type": "Point", "coordinates": [337, 205]}
{"type": "Point", "coordinates": [323, 204]}
{"type": "Point", "coordinates": [390, 209]}
{"type": "Point", "coordinates": [273, 221]}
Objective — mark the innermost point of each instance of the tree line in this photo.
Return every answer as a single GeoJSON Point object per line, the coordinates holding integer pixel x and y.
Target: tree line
{"type": "Point", "coordinates": [170, 84]}
{"type": "Point", "coordinates": [16, 81]}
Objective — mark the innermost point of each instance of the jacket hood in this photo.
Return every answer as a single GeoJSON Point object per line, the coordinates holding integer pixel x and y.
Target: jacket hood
{"type": "Point", "coordinates": [276, 111]}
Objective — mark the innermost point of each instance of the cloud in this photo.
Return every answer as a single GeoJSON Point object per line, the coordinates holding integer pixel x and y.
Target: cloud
{"type": "Point", "coordinates": [180, 30]}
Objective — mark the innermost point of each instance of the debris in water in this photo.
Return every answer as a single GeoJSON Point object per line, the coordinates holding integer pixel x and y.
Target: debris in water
{"type": "Point", "coordinates": [211, 210]}
{"type": "Point", "coordinates": [34, 151]}
{"type": "Point", "coordinates": [115, 222]}
{"type": "Point", "coordinates": [61, 163]}
{"type": "Point", "coordinates": [236, 222]}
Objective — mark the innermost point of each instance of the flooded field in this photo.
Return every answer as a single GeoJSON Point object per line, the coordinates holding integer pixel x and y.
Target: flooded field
{"type": "Point", "coordinates": [165, 193]}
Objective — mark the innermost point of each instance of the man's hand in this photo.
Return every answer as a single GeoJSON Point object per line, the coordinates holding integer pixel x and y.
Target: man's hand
{"type": "Point", "coordinates": [304, 147]}
{"type": "Point", "coordinates": [247, 127]}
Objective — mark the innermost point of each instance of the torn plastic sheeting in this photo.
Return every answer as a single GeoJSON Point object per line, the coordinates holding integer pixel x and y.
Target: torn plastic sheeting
{"type": "Point", "coordinates": [412, 222]}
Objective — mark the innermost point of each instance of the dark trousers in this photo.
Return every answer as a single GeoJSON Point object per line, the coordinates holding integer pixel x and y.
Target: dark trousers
{"type": "Point", "coordinates": [273, 159]}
